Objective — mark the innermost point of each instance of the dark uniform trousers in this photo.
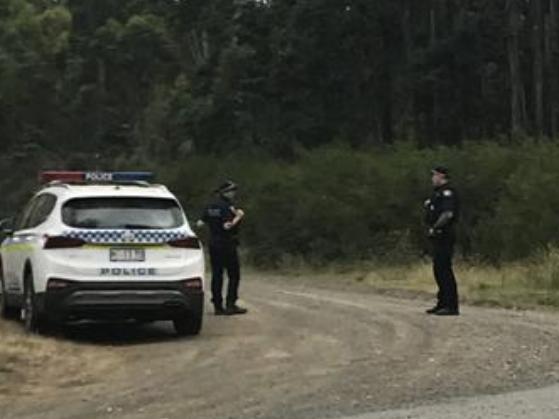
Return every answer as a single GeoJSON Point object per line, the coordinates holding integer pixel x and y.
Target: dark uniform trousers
{"type": "Point", "coordinates": [224, 257]}
{"type": "Point", "coordinates": [443, 249]}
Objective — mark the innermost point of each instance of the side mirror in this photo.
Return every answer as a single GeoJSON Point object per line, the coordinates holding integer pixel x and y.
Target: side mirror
{"type": "Point", "coordinates": [7, 226]}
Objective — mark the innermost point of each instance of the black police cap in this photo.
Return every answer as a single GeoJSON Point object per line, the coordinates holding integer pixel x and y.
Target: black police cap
{"type": "Point", "coordinates": [227, 186]}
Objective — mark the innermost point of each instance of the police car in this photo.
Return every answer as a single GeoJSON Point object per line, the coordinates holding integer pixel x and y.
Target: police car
{"type": "Point", "coordinates": [101, 246]}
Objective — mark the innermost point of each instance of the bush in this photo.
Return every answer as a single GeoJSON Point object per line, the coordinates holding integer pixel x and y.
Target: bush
{"type": "Point", "coordinates": [338, 204]}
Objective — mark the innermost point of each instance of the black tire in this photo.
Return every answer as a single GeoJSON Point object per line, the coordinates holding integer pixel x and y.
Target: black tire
{"type": "Point", "coordinates": [6, 312]}
{"type": "Point", "coordinates": [189, 325]}
{"type": "Point", "coordinates": [33, 320]}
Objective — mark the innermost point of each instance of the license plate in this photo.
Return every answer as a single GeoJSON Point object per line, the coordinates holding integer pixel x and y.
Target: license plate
{"type": "Point", "coordinates": [127, 255]}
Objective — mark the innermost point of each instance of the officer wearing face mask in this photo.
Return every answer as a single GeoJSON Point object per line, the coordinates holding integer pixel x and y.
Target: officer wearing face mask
{"type": "Point", "coordinates": [223, 219]}
{"type": "Point", "coordinates": [442, 212]}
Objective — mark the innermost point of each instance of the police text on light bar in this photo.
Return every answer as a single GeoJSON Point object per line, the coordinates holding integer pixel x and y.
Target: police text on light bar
{"type": "Point", "coordinates": [94, 177]}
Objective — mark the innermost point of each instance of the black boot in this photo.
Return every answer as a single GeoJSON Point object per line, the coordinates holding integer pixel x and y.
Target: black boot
{"type": "Point", "coordinates": [219, 310]}
{"type": "Point", "coordinates": [234, 309]}
{"type": "Point", "coordinates": [446, 311]}
{"type": "Point", "coordinates": [433, 310]}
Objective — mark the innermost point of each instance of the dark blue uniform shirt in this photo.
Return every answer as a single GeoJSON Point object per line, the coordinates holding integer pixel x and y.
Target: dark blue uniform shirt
{"type": "Point", "coordinates": [444, 198]}
{"type": "Point", "coordinates": [215, 216]}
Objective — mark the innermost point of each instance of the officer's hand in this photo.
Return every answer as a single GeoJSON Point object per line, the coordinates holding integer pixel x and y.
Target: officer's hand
{"type": "Point", "coordinates": [427, 203]}
{"type": "Point", "coordinates": [199, 224]}
{"type": "Point", "coordinates": [228, 225]}
{"type": "Point", "coordinates": [240, 213]}
{"type": "Point", "coordinates": [433, 232]}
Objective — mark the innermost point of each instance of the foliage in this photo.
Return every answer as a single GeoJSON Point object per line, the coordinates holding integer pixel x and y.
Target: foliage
{"type": "Point", "coordinates": [328, 112]}
{"type": "Point", "coordinates": [337, 204]}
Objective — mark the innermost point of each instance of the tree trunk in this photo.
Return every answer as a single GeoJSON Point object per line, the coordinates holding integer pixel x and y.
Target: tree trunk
{"type": "Point", "coordinates": [198, 46]}
{"type": "Point", "coordinates": [517, 97]}
{"type": "Point", "coordinates": [101, 96]}
{"type": "Point", "coordinates": [550, 65]}
{"type": "Point", "coordinates": [407, 124]}
{"type": "Point", "coordinates": [537, 21]}
{"type": "Point", "coordinates": [101, 75]}
{"type": "Point", "coordinates": [432, 42]}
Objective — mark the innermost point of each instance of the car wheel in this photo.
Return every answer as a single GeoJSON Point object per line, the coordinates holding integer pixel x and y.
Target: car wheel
{"type": "Point", "coordinates": [189, 325]}
{"type": "Point", "coordinates": [33, 320]}
{"type": "Point", "coordinates": [6, 312]}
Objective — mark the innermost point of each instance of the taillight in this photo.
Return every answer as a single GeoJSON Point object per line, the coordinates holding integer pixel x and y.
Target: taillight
{"type": "Point", "coordinates": [186, 243]}
{"type": "Point", "coordinates": [193, 284]}
{"type": "Point", "coordinates": [62, 242]}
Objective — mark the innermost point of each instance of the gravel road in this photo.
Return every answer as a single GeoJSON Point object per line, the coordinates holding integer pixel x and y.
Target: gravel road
{"type": "Point", "coordinates": [305, 351]}
{"type": "Point", "coordinates": [530, 404]}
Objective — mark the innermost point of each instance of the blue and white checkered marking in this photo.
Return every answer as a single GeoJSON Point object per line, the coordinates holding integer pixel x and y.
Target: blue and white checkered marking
{"type": "Point", "coordinates": [126, 236]}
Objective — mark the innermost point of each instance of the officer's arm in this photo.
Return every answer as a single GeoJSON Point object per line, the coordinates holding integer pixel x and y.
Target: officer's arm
{"type": "Point", "coordinates": [445, 218]}
{"type": "Point", "coordinates": [448, 207]}
{"type": "Point", "coordinates": [239, 214]}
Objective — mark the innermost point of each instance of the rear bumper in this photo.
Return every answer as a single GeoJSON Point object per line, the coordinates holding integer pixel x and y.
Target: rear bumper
{"type": "Point", "coordinates": [122, 300]}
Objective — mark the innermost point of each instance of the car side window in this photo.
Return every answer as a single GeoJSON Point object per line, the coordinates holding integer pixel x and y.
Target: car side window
{"type": "Point", "coordinates": [25, 214]}
{"type": "Point", "coordinates": [41, 210]}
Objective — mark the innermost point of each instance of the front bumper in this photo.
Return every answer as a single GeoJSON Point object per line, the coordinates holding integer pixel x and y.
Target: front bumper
{"type": "Point", "coordinates": [122, 300]}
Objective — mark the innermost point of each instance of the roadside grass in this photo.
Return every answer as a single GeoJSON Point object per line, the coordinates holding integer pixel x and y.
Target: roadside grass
{"type": "Point", "coordinates": [32, 365]}
{"type": "Point", "coordinates": [518, 286]}
{"type": "Point", "coordinates": [530, 284]}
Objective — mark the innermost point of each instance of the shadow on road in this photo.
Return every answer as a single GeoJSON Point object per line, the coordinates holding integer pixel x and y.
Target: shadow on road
{"type": "Point", "coordinates": [118, 333]}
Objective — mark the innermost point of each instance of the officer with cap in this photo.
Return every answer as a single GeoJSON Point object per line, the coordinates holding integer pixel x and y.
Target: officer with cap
{"type": "Point", "coordinates": [442, 212]}
{"type": "Point", "coordinates": [223, 219]}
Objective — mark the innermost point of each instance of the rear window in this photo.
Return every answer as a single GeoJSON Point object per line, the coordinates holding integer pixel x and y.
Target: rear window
{"type": "Point", "coordinates": [122, 213]}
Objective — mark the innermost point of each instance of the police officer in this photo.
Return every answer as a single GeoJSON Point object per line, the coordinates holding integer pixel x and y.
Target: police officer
{"type": "Point", "coordinates": [442, 212]}
{"type": "Point", "coordinates": [223, 219]}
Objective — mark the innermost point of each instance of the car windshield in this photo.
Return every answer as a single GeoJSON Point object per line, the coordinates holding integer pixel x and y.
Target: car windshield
{"type": "Point", "coordinates": [122, 213]}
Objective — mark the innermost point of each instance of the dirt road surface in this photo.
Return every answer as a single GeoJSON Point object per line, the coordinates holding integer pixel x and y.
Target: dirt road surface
{"type": "Point", "coordinates": [304, 351]}
{"type": "Point", "coordinates": [529, 404]}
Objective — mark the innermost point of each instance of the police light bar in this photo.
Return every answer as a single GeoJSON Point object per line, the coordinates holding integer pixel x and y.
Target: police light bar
{"type": "Point", "coordinates": [94, 177]}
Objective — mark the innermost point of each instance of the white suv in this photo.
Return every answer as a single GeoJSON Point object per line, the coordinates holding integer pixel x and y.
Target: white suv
{"type": "Point", "coordinates": [102, 246]}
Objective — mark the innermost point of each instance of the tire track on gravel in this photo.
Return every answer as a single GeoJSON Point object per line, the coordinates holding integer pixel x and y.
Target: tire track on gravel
{"type": "Point", "coordinates": [308, 352]}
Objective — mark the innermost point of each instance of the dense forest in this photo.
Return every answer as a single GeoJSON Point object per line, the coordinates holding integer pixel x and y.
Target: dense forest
{"type": "Point", "coordinates": [225, 85]}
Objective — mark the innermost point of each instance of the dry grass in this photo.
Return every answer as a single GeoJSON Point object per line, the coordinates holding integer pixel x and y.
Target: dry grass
{"type": "Point", "coordinates": [533, 283]}
{"type": "Point", "coordinates": [33, 365]}
{"type": "Point", "coordinates": [527, 285]}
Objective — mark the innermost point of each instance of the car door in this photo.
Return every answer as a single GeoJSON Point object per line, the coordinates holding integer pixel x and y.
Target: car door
{"type": "Point", "coordinates": [32, 234]}
{"type": "Point", "coordinates": [13, 246]}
